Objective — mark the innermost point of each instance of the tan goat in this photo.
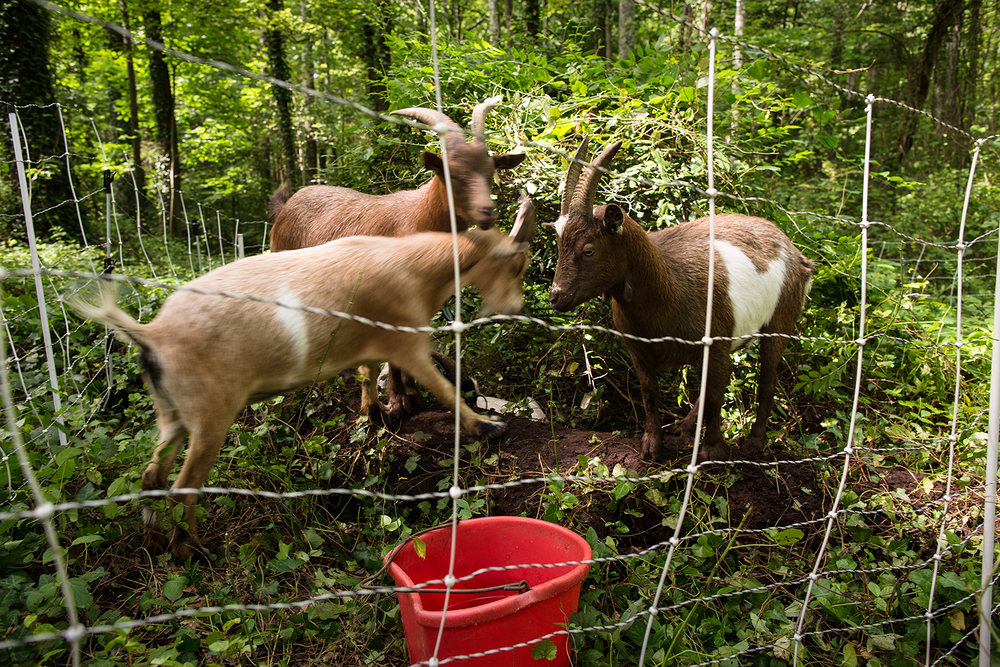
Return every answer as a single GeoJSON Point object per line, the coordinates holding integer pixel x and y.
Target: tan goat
{"type": "Point", "coordinates": [320, 213]}
{"type": "Point", "coordinates": [206, 356]}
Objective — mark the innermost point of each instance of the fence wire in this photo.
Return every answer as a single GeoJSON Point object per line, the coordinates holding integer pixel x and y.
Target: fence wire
{"type": "Point", "coordinates": [207, 247]}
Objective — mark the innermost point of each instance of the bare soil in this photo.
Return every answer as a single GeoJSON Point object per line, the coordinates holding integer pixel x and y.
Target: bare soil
{"type": "Point", "coordinates": [766, 496]}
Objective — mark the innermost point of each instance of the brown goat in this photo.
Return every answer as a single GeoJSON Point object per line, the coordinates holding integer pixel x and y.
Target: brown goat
{"type": "Point", "coordinates": [207, 355]}
{"type": "Point", "coordinates": [320, 213]}
{"type": "Point", "coordinates": [658, 284]}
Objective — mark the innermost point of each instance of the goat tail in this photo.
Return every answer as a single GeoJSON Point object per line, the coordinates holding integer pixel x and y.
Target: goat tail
{"type": "Point", "coordinates": [277, 202]}
{"type": "Point", "coordinates": [101, 305]}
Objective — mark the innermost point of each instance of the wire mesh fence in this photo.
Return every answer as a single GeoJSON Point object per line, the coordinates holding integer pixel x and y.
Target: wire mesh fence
{"type": "Point", "coordinates": [933, 533]}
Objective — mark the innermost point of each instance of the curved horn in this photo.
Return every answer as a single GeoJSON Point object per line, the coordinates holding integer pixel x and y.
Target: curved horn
{"type": "Point", "coordinates": [573, 174]}
{"type": "Point", "coordinates": [583, 198]}
{"type": "Point", "coordinates": [524, 225]}
{"type": "Point", "coordinates": [479, 116]}
{"type": "Point", "coordinates": [431, 118]}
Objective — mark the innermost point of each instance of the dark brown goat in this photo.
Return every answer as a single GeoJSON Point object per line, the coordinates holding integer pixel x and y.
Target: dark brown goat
{"type": "Point", "coordinates": [658, 284]}
{"type": "Point", "coordinates": [321, 213]}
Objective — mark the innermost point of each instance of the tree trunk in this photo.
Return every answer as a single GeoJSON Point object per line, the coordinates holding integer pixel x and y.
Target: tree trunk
{"type": "Point", "coordinates": [973, 44]}
{"type": "Point", "coordinates": [310, 148]}
{"type": "Point", "coordinates": [376, 24]}
{"type": "Point", "coordinates": [626, 29]}
{"type": "Point", "coordinates": [739, 23]}
{"type": "Point", "coordinates": [602, 28]}
{"type": "Point", "coordinates": [166, 122]}
{"type": "Point", "coordinates": [532, 17]}
{"type": "Point", "coordinates": [493, 8]}
{"type": "Point", "coordinates": [456, 18]}
{"type": "Point", "coordinates": [26, 79]}
{"type": "Point", "coordinates": [282, 98]}
{"type": "Point", "coordinates": [686, 28]}
{"type": "Point", "coordinates": [706, 18]}
{"type": "Point", "coordinates": [946, 14]}
{"type": "Point", "coordinates": [138, 171]}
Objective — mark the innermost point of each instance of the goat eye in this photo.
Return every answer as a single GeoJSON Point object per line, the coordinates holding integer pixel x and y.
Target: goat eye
{"type": "Point", "coordinates": [588, 252]}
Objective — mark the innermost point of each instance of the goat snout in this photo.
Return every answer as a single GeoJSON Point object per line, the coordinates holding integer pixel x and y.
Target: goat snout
{"type": "Point", "coordinates": [558, 299]}
{"type": "Point", "coordinates": [487, 215]}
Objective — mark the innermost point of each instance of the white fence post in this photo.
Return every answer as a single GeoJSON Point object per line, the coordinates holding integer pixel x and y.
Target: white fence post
{"type": "Point", "coordinates": [990, 499]}
{"type": "Point", "coordinates": [43, 314]}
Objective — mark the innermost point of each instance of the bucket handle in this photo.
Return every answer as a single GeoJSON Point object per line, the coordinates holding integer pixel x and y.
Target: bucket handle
{"type": "Point", "coordinates": [520, 587]}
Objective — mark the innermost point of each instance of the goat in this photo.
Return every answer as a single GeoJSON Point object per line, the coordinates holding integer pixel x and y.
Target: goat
{"type": "Point", "coordinates": [207, 355]}
{"type": "Point", "coordinates": [320, 213]}
{"type": "Point", "coordinates": [658, 285]}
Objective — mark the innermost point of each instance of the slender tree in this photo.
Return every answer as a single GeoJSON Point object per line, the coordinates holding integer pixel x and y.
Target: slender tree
{"type": "Point", "coordinates": [26, 78]}
{"type": "Point", "coordinates": [946, 14]}
{"type": "Point", "coordinates": [375, 26]}
{"type": "Point", "coordinates": [493, 10]}
{"type": "Point", "coordinates": [282, 96]}
{"type": "Point", "coordinates": [602, 28]}
{"type": "Point", "coordinates": [310, 146]}
{"type": "Point", "coordinates": [165, 119]}
{"type": "Point", "coordinates": [626, 28]}
{"type": "Point", "coordinates": [133, 104]}
{"type": "Point", "coordinates": [532, 17]}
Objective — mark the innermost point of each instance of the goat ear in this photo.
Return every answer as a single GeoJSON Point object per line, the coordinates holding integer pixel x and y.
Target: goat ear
{"type": "Point", "coordinates": [613, 217]}
{"type": "Point", "coordinates": [433, 162]}
{"type": "Point", "coordinates": [510, 249]}
{"type": "Point", "coordinates": [508, 160]}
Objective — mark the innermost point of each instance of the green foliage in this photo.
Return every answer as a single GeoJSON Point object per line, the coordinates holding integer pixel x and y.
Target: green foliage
{"type": "Point", "coordinates": [785, 142]}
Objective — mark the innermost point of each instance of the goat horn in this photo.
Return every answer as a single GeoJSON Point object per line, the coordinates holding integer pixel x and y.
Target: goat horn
{"type": "Point", "coordinates": [583, 197]}
{"type": "Point", "coordinates": [432, 118]}
{"type": "Point", "coordinates": [573, 174]}
{"type": "Point", "coordinates": [479, 116]}
{"type": "Point", "coordinates": [524, 225]}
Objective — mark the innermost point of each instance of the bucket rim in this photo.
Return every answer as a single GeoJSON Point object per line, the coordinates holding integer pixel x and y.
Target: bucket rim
{"type": "Point", "coordinates": [497, 608]}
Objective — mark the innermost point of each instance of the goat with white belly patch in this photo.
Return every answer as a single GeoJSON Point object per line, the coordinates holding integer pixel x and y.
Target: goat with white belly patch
{"type": "Point", "coordinates": [658, 285]}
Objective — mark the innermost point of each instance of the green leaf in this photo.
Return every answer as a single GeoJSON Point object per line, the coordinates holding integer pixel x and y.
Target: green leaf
{"type": "Point", "coordinates": [785, 537]}
{"type": "Point", "coordinates": [81, 593]}
{"type": "Point", "coordinates": [828, 141]}
{"type": "Point", "coordinates": [174, 588]}
{"type": "Point", "coordinates": [687, 94]}
{"type": "Point", "coordinates": [801, 99]}
{"type": "Point", "coordinates": [544, 649]}
{"type": "Point", "coordinates": [420, 547]}
{"type": "Point", "coordinates": [758, 70]}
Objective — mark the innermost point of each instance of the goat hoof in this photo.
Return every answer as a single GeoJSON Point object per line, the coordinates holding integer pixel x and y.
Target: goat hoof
{"type": "Point", "coordinates": [752, 447]}
{"type": "Point", "coordinates": [155, 541]}
{"type": "Point", "coordinates": [716, 452]}
{"type": "Point", "coordinates": [184, 548]}
{"type": "Point", "coordinates": [489, 428]}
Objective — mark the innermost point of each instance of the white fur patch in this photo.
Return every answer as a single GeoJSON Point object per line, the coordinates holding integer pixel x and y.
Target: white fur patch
{"type": "Point", "coordinates": [296, 328]}
{"type": "Point", "coordinates": [561, 224]}
{"type": "Point", "coordinates": [753, 295]}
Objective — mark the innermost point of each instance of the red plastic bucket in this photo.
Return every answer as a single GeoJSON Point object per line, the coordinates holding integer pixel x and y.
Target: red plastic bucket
{"type": "Point", "coordinates": [478, 622]}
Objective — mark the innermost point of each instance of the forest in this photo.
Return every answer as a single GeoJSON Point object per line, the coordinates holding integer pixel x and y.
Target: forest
{"type": "Point", "coordinates": [143, 142]}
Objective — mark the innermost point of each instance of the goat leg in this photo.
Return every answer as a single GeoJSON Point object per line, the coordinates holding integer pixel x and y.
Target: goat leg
{"type": "Point", "coordinates": [154, 478]}
{"type": "Point", "coordinates": [207, 439]}
{"type": "Point", "coordinates": [424, 372]}
{"type": "Point", "coordinates": [714, 446]}
{"type": "Point", "coordinates": [402, 395]}
{"type": "Point", "coordinates": [652, 437]}
{"type": "Point", "coordinates": [771, 349]}
{"type": "Point", "coordinates": [370, 405]}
